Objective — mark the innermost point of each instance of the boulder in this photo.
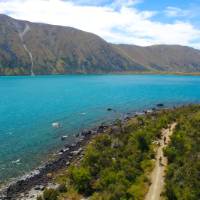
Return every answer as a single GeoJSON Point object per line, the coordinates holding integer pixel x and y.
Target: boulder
{"type": "Point", "coordinates": [160, 105]}
{"type": "Point", "coordinates": [77, 135]}
{"type": "Point", "coordinates": [64, 137]}
{"type": "Point", "coordinates": [85, 133]}
{"type": "Point", "coordinates": [56, 125]}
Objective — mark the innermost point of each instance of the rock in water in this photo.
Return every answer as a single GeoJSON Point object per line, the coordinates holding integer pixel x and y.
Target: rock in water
{"type": "Point", "coordinates": [56, 125]}
{"type": "Point", "coordinates": [64, 137]}
{"type": "Point", "coordinates": [16, 161]}
{"type": "Point", "coordinates": [160, 105]}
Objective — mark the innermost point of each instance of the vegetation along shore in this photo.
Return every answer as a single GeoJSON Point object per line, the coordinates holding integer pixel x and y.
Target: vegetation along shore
{"type": "Point", "coordinates": [123, 160]}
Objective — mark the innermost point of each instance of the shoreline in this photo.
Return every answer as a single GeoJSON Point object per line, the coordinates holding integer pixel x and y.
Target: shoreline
{"type": "Point", "coordinates": [39, 177]}
{"type": "Point", "coordinates": [115, 73]}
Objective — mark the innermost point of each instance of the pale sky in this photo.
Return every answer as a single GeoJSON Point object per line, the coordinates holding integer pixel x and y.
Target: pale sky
{"type": "Point", "coordinates": [139, 22]}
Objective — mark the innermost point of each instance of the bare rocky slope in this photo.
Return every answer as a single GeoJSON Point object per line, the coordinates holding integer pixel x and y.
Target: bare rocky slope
{"type": "Point", "coordinates": [171, 58]}
{"type": "Point", "coordinates": [35, 48]}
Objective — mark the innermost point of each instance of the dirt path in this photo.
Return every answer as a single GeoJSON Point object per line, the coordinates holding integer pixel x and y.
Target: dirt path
{"type": "Point", "coordinates": [157, 176]}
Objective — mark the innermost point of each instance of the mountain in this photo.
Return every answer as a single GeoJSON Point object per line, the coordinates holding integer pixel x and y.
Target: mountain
{"type": "Point", "coordinates": [49, 49]}
{"type": "Point", "coordinates": [36, 48]}
{"type": "Point", "coordinates": [169, 58]}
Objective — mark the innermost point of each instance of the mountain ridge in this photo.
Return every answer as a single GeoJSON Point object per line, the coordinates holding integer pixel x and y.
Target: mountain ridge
{"type": "Point", "coordinates": [167, 58]}
{"type": "Point", "coordinates": [37, 48]}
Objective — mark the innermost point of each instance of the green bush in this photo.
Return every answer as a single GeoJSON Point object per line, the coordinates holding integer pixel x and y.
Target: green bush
{"type": "Point", "coordinates": [50, 194]}
{"type": "Point", "coordinates": [80, 178]}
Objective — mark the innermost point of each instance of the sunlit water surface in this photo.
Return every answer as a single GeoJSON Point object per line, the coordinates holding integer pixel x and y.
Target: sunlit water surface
{"type": "Point", "coordinates": [29, 106]}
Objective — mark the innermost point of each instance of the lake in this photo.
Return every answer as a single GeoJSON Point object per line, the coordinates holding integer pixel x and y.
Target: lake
{"type": "Point", "coordinates": [29, 106]}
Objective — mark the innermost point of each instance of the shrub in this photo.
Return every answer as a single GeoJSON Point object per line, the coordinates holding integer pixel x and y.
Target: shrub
{"type": "Point", "coordinates": [80, 178]}
{"type": "Point", "coordinates": [50, 194]}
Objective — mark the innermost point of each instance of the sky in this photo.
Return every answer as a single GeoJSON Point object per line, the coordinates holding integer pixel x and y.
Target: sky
{"type": "Point", "coordinates": [139, 22]}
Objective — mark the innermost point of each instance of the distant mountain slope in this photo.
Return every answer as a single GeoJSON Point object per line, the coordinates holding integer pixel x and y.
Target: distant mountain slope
{"type": "Point", "coordinates": [56, 49]}
{"type": "Point", "coordinates": [35, 48]}
{"type": "Point", "coordinates": [171, 58]}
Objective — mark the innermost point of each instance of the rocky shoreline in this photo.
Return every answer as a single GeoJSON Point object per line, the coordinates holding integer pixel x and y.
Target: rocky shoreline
{"type": "Point", "coordinates": [40, 175]}
{"type": "Point", "coordinates": [39, 178]}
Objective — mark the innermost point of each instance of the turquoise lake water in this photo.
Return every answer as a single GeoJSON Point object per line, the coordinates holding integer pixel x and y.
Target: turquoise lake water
{"type": "Point", "coordinates": [29, 106]}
